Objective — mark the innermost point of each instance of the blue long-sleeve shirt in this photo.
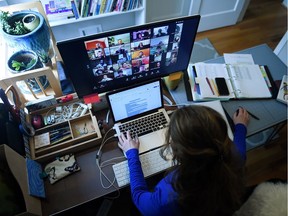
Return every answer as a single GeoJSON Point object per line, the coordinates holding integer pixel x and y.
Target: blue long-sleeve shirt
{"type": "Point", "coordinates": [163, 199]}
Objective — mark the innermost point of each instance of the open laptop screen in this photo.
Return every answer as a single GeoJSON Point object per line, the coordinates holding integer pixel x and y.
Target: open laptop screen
{"type": "Point", "coordinates": [135, 101]}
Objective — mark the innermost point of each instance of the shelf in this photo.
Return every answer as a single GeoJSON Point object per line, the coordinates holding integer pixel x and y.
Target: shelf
{"type": "Point", "coordinates": [54, 23]}
{"type": "Point", "coordinates": [23, 81]}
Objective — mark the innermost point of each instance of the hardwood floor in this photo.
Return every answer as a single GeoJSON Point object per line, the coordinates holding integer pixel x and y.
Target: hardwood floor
{"type": "Point", "coordinates": [265, 21]}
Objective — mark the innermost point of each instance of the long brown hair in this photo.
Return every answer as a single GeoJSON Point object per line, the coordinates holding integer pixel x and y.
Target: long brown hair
{"type": "Point", "coordinates": [208, 177]}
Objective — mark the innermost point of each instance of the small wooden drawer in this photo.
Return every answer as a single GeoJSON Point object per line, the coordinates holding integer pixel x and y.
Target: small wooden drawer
{"type": "Point", "coordinates": [68, 136]}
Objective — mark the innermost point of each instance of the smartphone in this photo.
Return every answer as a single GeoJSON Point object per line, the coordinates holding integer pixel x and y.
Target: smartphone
{"type": "Point", "coordinates": [222, 86]}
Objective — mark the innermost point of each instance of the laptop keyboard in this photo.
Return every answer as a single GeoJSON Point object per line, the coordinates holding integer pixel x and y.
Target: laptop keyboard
{"type": "Point", "coordinates": [145, 125]}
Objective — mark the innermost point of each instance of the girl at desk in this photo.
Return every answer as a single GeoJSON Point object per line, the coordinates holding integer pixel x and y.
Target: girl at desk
{"type": "Point", "coordinates": [207, 176]}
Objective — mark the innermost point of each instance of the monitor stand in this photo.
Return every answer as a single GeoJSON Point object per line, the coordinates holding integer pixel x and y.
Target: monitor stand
{"type": "Point", "coordinates": [102, 104]}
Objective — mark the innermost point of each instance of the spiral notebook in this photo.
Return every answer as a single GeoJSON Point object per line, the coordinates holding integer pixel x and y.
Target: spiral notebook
{"type": "Point", "coordinates": [211, 81]}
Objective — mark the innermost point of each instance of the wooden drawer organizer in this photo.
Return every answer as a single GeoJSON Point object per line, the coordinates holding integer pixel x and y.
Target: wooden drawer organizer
{"type": "Point", "coordinates": [84, 130]}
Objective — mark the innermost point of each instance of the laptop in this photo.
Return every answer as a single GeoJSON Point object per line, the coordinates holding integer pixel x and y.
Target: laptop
{"type": "Point", "coordinates": [137, 106]}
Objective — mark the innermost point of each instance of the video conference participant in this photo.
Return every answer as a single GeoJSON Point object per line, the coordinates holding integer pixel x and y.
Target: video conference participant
{"type": "Point", "coordinates": [207, 176]}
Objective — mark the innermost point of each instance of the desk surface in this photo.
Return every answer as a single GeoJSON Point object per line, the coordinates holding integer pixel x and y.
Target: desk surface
{"type": "Point", "coordinates": [269, 111]}
{"type": "Point", "coordinates": [84, 185]}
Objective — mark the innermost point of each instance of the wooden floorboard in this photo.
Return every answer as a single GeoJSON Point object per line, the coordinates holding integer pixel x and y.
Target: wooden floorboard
{"type": "Point", "coordinates": [265, 21]}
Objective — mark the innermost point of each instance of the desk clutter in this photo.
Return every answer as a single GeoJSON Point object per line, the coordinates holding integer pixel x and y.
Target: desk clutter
{"type": "Point", "coordinates": [211, 81]}
{"type": "Point", "coordinates": [64, 127]}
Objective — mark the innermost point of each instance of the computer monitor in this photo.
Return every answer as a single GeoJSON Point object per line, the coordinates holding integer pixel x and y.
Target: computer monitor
{"type": "Point", "coordinates": [115, 59]}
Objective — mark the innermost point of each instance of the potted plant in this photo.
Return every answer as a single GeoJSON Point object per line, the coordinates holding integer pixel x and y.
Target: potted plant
{"type": "Point", "coordinates": [25, 60]}
{"type": "Point", "coordinates": [44, 58]}
{"type": "Point", "coordinates": [22, 61]}
{"type": "Point", "coordinates": [25, 30]}
{"type": "Point", "coordinates": [31, 21]}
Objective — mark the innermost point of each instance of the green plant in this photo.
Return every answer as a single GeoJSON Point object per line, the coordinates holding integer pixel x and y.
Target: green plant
{"type": "Point", "coordinates": [44, 57]}
{"type": "Point", "coordinates": [17, 28]}
{"type": "Point", "coordinates": [18, 65]}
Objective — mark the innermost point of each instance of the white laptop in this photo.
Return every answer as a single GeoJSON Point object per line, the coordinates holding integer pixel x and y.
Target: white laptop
{"type": "Point", "coordinates": [137, 103]}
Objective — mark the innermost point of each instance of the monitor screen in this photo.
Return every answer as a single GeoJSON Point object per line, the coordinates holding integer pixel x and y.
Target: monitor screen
{"type": "Point", "coordinates": [115, 59]}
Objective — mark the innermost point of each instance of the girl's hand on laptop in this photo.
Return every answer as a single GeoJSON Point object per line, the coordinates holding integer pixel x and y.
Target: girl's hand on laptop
{"type": "Point", "coordinates": [126, 142]}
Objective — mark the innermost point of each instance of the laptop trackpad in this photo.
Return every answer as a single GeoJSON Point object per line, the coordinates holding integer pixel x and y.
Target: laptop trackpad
{"type": "Point", "coordinates": [152, 140]}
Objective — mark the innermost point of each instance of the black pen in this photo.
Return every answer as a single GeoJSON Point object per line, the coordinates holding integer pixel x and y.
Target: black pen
{"type": "Point", "coordinates": [252, 115]}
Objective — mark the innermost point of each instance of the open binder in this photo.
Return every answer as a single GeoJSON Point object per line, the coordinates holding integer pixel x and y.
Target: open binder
{"type": "Point", "coordinates": [240, 81]}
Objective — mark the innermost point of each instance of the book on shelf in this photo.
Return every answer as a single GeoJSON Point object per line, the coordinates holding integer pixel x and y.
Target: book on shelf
{"type": "Point", "coordinates": [57, 9]}
{"type": "Point", "coordinates": [75, 9]}
{"type": "Point", "coordinates": [108, 6]}
{"type": "Point", "coordinates": [282, 95]}
{"type": "Point", "coordinates": [118, 5]}
{"type": "Point", "coordinates": [125, 5]}
{"type": "Point", "coordinates": [210, 81]}
{"type": "Point", "coordinates": [97, 9]}
{"type": "Point", "coordinates": [83, 7]}
{"type": "Point", "coordinates": [102, 7]}
{"type": "Point", "coordinates": [93, 7]}
{"type": "Point", "coordinates": [113, 6]}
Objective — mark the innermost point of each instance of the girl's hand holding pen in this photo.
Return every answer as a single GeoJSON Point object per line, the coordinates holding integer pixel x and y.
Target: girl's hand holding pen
{"type": "Point", "coordinates": [241, 116]}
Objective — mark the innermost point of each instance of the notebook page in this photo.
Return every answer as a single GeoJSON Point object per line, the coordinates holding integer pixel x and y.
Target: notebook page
{"type": "Point", "coordinates": [249, 82]}
{"type": "Point", "coordinates": [211, 71]}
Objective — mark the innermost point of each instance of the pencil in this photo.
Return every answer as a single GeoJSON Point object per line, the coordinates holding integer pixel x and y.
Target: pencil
{"type": "Point", "coordinates": [252, 115]}
{"type": "Point", "coordinates": [215, 87]}
{"type": "Point", "coordinates": [207, 80]}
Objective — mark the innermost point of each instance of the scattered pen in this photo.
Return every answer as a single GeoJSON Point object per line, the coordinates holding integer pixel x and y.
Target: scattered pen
{"type": "Point", "coordinates": [207, 80]}
{"type": "Point", "coordinates": [215, 87]}
{"type": "Point", "coordinates": [252, 115]}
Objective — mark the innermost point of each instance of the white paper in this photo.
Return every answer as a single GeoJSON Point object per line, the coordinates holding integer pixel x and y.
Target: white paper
{"type": "Point", "coordinates": [41, 140]}
{"type": "Point", "coordinates": [238, 58]}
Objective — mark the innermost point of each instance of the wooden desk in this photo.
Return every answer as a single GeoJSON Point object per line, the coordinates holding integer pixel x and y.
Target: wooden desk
{"type": "Point", "coordinates": [84, 186]}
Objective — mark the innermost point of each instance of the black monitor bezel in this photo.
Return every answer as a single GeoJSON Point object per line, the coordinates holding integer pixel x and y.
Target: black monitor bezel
{"type": "Point", "coordinates": [80, 86]}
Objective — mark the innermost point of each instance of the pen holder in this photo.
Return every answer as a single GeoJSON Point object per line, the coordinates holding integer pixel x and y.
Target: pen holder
{"type": "Point", "coordinates": [173, 80]}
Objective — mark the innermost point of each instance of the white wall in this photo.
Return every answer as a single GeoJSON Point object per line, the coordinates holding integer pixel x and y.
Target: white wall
{"type": "Point", "coordinates": [281, 49]}
{"type": "Point", "coordinates": [10, 2]}
{"type": "Point", "coordinates": [214, 14]}
{"type": "Point", "coordinates": [3, 3]}
{"type": "Point", "coordinates": [165, 9]}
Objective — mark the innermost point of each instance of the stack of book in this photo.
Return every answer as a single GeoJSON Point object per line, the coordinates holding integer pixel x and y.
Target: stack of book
{"type": "Point", "coordinates": [57, 9]}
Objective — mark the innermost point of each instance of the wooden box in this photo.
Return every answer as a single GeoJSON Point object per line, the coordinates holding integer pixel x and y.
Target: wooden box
{"type": "Point", "coordinates": [67, 135]}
